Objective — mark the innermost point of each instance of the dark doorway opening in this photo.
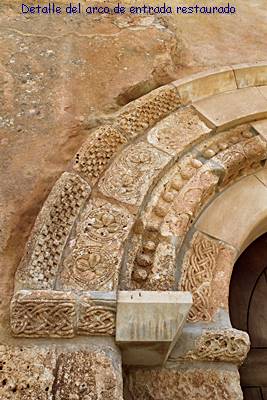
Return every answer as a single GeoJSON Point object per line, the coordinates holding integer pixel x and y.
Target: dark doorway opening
{"type": "Point", "coordinates": [248, 312]}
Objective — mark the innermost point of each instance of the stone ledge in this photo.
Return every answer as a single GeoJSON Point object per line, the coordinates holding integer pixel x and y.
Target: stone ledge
{"type": "Point", "coordinates": [205, 84]}
{"type": "Point", "coordinates": [226, 110]}
{"type": "Point", "coordinates": [250, 74]}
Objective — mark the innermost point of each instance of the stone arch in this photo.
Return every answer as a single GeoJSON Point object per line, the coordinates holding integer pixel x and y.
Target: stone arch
{"type": "Point", "coordinates": [123, 216]}
{"type": "Point", "coordinates": [147, 175]}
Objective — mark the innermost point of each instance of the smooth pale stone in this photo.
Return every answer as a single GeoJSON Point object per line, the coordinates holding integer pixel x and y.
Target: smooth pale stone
{"type": "Point", "coordinates": [238, 215]}
{"type": "Point", "coordinates": [149, 324]}
{"type": "Point", "coordinates": [262, 176]}
{"type": "Point", "coordinates": [251, 74]}
{"type": "Point", "coordinates": [229, 109]}
{"type": "Point", "coordinates": [263, 91]}
{"type": "Point", "coordinates": [205, 84]}
{"type": "Point", "coordinates": [261, 127]}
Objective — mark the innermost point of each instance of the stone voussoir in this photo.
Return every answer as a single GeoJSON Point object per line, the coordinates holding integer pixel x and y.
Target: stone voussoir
{"type": "Point", "coordinates": [144, 112]}
{"type": "Point", "coordinates": [96, 153]}
{"type": "Point", "coordinates": [251, 74]}
{"type": "Point", "coordinates": [176, 132]}
{"type": "Point", "coordinates": [205, 84]}
{"type": "Point", "coordinates": [39, 266]}
{"type": "Point", "coordinates": [226, 110]}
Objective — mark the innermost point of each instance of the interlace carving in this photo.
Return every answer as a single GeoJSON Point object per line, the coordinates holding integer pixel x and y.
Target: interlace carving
{"type": "Point", "coordinates": [197, 275]}
{"type": "Point", "coordinates": [97, 318]}
{"type": "Point", "coordinates": [33, 315]}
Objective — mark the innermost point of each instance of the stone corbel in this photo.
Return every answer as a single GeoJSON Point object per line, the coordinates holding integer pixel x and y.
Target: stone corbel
{"type": "Point", "coordinates": [148, 324]}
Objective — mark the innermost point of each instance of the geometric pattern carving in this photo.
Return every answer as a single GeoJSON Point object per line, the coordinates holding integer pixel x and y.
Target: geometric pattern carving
{"type": "Point", "coordinates": [43, 313]}
{"type": "Point", "coordinates": [197, 274]}
{"type": "Point", "coordinates": [96, 317]}
{"type": "Point", "coordinates": [148, 110]}
{"type": "Point", "coordinates": [228, 345]}
{"type": "Point", "coordinates": [96, 152]}
{"type": "Point", "coordinates": [40, 265]}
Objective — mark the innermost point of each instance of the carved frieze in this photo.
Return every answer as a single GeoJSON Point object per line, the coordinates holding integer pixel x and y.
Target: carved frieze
{"type": "Point", "coordinates": [49, 313]}
{"type": "Point", "coordinates": [222, 345]}
{"type": "Point", "coordinates": [43, 313]}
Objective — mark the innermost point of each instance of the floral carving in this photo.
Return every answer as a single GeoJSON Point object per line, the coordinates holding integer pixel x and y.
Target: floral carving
{"type": "Point", "coordinates": [89, 268]}
{"type": "Point", "coordinates": [106, 223]}
{"type": "Point", "coordinates": [129, 176]}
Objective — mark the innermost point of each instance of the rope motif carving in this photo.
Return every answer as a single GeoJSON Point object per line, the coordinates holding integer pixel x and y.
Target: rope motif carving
{"type": "Point", "coordinates": [39, 318]}
{"type": "Point", "coordinates": [97, 320]}
{"type": "Point", "coordinates": [197, 276]}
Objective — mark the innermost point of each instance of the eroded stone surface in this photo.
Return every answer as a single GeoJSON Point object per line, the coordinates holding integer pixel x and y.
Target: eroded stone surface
{"type": "Point", "coordinates": [177, 131]}
{"type": "Point", "coordinates": [195, 384]}
{"type": "Point", "coordinates": [189, 201]}
{"type": "Point", "coordinates": [27, 373]}
{"type": "Point", "coordinates": [89, 375]}
{"type": "Point", "coordinates": [228, 345]}
{"type": "Point", "coordinates": [242, 157]}
{"type": "Point", "coordinates": [48, 373]}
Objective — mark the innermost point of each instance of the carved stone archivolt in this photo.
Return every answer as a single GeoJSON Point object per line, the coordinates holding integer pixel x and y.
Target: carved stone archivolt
{"type": "Point", "coordinates": [147, 110]}
{"type": "Point", "coordinates": [104, 222]}
{"type": "Point", "coordinates": [89, 267]}
{"type": "Point", "coordinates": [245, 156]}
{"type": "Point", "coordinates": [206, 272]}
{"type": "Point", "coordinates": [97, 151]}
{"type": "Point", "coordinates": [130, 176]}
{"type": "Point", "coordinates": [197, 274]}
{"type": "Point", "coordinates": [39, 268]}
